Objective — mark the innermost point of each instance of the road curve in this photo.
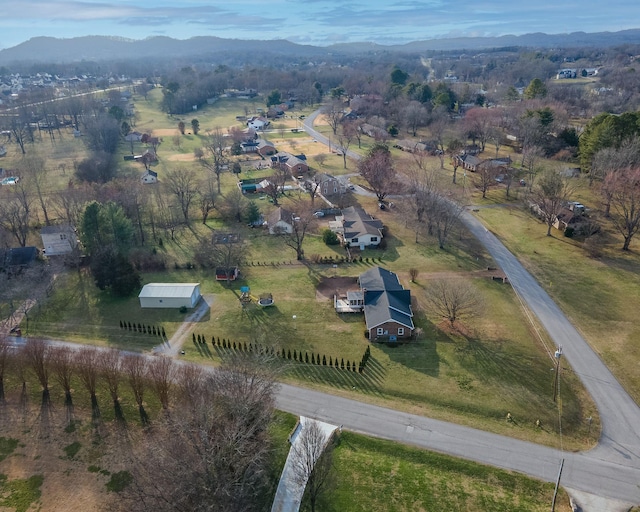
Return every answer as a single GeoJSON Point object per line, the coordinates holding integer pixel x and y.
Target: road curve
{"type": "Point", "coordinates": [610, 470]}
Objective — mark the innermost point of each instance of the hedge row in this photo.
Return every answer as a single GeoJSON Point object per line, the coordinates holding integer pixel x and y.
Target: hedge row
{"type": "Point", "coordinates": [298, 356]}
{"type": "Point", "coordinates": [144, 329]}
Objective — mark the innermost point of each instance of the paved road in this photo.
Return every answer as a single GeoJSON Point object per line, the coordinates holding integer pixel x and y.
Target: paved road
{"type": "Point", "coordinates": [612, 469]}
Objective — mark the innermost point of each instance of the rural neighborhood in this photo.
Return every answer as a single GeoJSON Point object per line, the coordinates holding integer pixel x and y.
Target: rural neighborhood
{"type": "Point", "coordinates": [325, 284]}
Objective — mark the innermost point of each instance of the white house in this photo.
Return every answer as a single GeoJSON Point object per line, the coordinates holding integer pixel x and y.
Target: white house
{"type": "Point", "coordinates": [149, 177]}
{"type": "Point", "coordinates": [280, 221]}
{"type": "Point", "coordinates": [258, 123]}
{"type": "Point", "coordinates": [169, 295]}
{"type": "Point", "coordinates": [359, 229]}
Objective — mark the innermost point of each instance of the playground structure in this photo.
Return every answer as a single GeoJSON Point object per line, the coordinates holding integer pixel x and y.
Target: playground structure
{"type": "Point", "coordinates": [264, 300]}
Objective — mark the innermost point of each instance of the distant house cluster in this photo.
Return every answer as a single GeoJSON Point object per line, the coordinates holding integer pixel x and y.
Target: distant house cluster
{"type": "Point", "coordinates": [576, 73]}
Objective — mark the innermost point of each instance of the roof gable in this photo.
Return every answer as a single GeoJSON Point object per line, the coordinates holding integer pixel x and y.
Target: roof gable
{"type": "Point", "coordinates": [385, 299]}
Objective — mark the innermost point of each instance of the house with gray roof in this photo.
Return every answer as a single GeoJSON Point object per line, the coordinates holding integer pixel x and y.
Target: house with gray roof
{"type": "Point", "coordinates": [358, 228]}
{"type": "Point", "coordinates": [280, 221]}
{"type": "Point", "coordinates": [387, 305]}
{"type": "Point", "coordinates": [58, 239]}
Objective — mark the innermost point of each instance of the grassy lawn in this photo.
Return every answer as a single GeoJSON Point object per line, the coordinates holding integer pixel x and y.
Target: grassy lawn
{"type": "Point", "coordinates": [600, 296]}
{"type": "Point", "coordinates": [375, 475]}
{"type": "Point", "coordinates": [472, 376]}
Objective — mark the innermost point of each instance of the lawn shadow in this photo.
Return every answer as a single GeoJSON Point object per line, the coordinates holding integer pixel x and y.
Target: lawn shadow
{"type": "Point", "coordinates": [369, 381]}
{"type": "Point", "coordinates": [419, 355]}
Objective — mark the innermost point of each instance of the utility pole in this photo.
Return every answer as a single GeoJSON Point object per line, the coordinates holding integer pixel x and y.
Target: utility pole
{"type": "Point", "coordinates": [555, 492]}
{"type": "Point", "coordinates": [556, 380]}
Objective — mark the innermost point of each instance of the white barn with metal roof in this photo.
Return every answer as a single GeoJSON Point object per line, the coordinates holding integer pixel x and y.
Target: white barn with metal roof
{"type": "Point", "coordinates": [169, 295]}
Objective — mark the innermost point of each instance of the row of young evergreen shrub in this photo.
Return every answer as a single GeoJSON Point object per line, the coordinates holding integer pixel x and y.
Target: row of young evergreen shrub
{"type": "Point", "coordinates": [298, 356]}
{"type": "Point", "coordinates": [144, 329]}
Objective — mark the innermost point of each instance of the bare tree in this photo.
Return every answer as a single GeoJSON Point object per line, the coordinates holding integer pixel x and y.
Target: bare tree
{"type": "Point", "coordinates": [189, 381]}
{"type": "Point", "coordinates": [87, 364]}
{"type": "Point", "coordinates": [62, 363]}
{"type": "Point", "coordinates": [37, 354]}
{"type": "Point", "coordinates": [334, 113]}
{"type": "Point", "coordinates": [234, 205]}
{"type": "Point", "coordinates": [453, 299]}
{"type": "Point", "coordinates": [227, 253]}
{"type": "Point", "coordinates": [485, 175]}
{"type": "Point", "coordinates": [415, 115]}
{"type": "Point", "coordinates": [301, 222]}
{"type": "Point", "coordinates": [182, 184]}
{"type": "Point", "coordinates": [276, 183]}
{"type": "Point", "coordinates": [111, 371]}
{"type": "Point", "coordinates": [311, 187]}
{"type": "Point", "coordinates": [160, 374]}
{"type": "Point", "coordinates": [438, 127]}
{"type": "Point", "coordinates": [32, 168]}
{"type": "Point", "coordinates": [216, 439]}
{"type": "Point", "coordinates": [623, 188]}
{"type": "Point", "coordinates": [454, 148]}
{"type": "Point", "coordinates": [16, 211]}
{"type": "Point", "coordinates": [611, 160]}
{"type": "Point", "coordinates": [531, 157]}
{"type": "Point", "coordinates": [479, 123]}
{"type": "Point", "coordinates": [168, 216]}
{"type": "Point", "coordinates": [550, 195]}
{"type": "Point", "coordinates": [377, 169]}
{"type": "Point", "coordinates": [343, 140]}
{"type": "Point", "coordinates": [69, 203]}
{"type": "Point", "coordinates": [320, 158]}
{"type": "Point", "coordinates": [215, 158]}
{"type": "Point", "coordinates": [5, 346]}
{"type": "Point", "coordinates": [134, 367]}
{"type": "Point", "coordinates": [419, 209]}
{"type": "Point", "coordinates": [313, 461]}
{"type": "Point", "coordinates": [206, 198]}
{"type": "Point", "coordinates": [446, 215]}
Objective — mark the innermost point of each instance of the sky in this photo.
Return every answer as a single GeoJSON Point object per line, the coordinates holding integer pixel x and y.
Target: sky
{"type": "Point", "coordinates": [316, 22]}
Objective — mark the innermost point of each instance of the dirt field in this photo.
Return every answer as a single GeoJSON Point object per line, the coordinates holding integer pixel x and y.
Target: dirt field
{"type": "Point", "coordinates": [68, 485]}
{"type": "Point", "coordinates": [335, 285]}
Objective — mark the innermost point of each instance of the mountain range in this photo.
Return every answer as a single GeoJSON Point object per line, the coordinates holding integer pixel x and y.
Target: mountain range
{"type": "Point", "coordinates": [102, 48]}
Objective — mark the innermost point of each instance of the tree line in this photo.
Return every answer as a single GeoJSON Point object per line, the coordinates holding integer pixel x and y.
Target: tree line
{"type": "Point", "coordinates": [209, 446]}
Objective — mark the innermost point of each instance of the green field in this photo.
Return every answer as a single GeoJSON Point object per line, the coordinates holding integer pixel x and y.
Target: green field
{"type": "Point", "coordinates": [471, 376]}
{"type": "Point", "coordinates": [375, 475]}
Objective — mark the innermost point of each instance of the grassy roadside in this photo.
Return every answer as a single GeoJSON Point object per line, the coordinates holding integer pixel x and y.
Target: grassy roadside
{"type": "Point", "coordinates": [374, 475]}
{"type": "Point", "coordinates": [600, 296]}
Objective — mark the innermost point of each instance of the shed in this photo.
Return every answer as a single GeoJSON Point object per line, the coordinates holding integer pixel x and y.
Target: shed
{"type": "Point", "coordinates": [169, 295]}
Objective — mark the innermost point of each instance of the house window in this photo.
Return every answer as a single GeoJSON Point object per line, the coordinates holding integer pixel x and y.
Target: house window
{"type": "Point", "coordinates": [159, 300]}
{"type": "Point", "coordinates": [380, 331]}
{"type": "Point", "coordinates": [354, 240]}
{"type": "Point", "coordinates": [400, 331]}
{"type": "Point", "coordinates": [374, 238]}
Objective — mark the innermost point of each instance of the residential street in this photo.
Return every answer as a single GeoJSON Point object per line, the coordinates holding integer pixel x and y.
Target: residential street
{"type": "Point", "coordinates": [611, 470]}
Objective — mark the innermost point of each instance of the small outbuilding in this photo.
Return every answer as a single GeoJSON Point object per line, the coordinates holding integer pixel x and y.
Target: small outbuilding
{"type": "Point", "coordinates": [169, 295]}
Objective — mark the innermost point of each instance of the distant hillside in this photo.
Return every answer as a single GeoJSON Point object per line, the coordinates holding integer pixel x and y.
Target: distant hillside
{"type": "Point", "coordinates": [101, 48]}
